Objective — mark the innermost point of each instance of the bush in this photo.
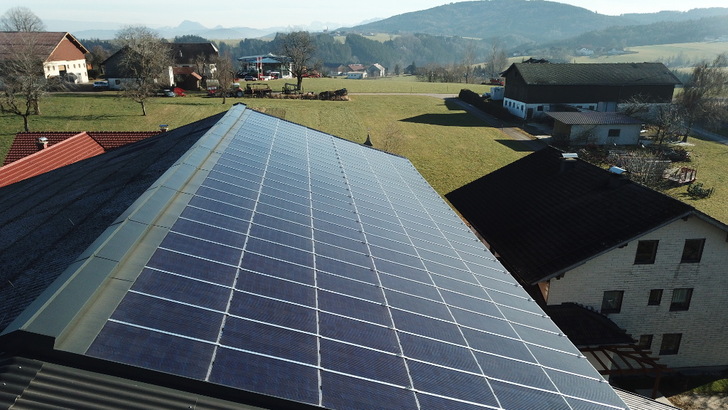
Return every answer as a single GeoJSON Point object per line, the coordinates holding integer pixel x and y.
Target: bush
{"type": "Point", "coordinates": [495, 109]}
{"type": "Point", "coordinates": [697, 191]}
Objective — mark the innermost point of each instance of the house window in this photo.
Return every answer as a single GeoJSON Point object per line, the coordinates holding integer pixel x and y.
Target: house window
{"type": "Point", "coordinates": [670, 343]}
{"type": "Point", "coordinates": [612, 301]}
{"type": "Point", "coordinates": [692, 251]}
{"type": "Point", "coordinates": [645, 342]}
{"type": "Point", "coordinates": [681, 299]}
{"type": "Point", "coordinates": [613, 132]}
{"type": "Point", "coordinates": [646, 251]}
{"type": "Point", "coordinates": [539, 108]}
{"type": "Point", "coordinates": [655, 297]}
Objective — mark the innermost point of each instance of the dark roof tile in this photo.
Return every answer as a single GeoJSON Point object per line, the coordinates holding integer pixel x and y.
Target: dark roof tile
{"type": "Point", "coordinates": [595, 74]}
{"type": "Point", "coordinates": [37, 221]}
{"type": "Point", "coordinates": [542, 216]}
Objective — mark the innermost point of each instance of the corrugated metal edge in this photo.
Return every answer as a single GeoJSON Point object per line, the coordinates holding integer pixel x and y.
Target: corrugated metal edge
{"type": "Point", "coordinates": [33, 384]}
{"type": "Point", "coordinates": [638, 402]}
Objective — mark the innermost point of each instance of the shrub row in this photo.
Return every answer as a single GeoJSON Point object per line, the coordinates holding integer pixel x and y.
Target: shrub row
{"type": "Point", "coordinates": [495, 109]}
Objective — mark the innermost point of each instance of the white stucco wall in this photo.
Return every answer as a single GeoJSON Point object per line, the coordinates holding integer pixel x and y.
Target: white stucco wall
{"type": "Point", "coordinates": [704, 334]}
{"type": "Point", "coordinates": [599, 134]}
{"type": "Point", "coordinates": [520, 109]}
{"type": "Point", "coordinates": [77, 67]}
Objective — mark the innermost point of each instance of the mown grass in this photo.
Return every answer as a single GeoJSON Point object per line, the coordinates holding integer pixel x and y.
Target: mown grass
{"type": "Point", "coordinates": [692, 52]}
{"type": "Point", "coordinates": [448, 146]}
{"type": "Point", "coordinates": [400, 84]}
{"type": "Point", "coordinates": [710, 159]}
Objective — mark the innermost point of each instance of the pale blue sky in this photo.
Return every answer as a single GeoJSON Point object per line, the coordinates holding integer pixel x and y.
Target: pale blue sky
{"type": "Point", "coordinates": [287, 13]}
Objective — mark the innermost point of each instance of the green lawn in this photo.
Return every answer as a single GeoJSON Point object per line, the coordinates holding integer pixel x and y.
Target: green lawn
{"type": "Point", "coordinates": [448, 146]}
{"type": "Point", "coordinates": [664, 52]}
{"type": "Point", "coordinates": [400, 84]}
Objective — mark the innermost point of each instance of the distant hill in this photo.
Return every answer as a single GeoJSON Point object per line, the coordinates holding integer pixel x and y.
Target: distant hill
{"type": "Point", "coordinates": [664, 32]}
{"type": "Point", "coordinates": [518, 21]}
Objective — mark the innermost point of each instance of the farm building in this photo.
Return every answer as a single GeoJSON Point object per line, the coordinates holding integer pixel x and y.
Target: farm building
{"type": "Point", "coordinates": [62, 54]}
{"type": "Point", "coordinates": [597, 128]}
{"type": "Point", "coordinates": [533, 89]}
{"type": "Point", "coordinates": [182, 73]}
{"type": "Point", "coordinates": [227, 264]}
{"type": "Point", "coordinates": [356, 75]}
{"type": "Point", "coordinates": [575, 233]}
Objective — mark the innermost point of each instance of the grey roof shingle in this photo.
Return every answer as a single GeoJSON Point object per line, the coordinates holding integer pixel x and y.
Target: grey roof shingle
{"type": "Point", "coordinates": [595, 74]}
{"type": "Point", "coordinates": [543, 218]}
{"type": "Point", "coordinates": [52, 218]}
{"type": "Point", "coordinates": [592, 118]}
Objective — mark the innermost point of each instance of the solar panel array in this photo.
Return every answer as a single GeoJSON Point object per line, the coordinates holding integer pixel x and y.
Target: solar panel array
{"type": "Point", "coordinates": [320, 271]}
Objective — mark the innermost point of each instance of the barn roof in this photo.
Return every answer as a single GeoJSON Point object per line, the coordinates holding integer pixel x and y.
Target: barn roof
{"type": "Point", "coordinates": [44, 42]}
{"type": "Point", "coordinates": [544, 214]}
{"type": "Point", "coordinates": [594, 74]}
{"type": "Point", "coordinates": [249, 258]}
{"type": "Point", "coordinates": [592, 118]}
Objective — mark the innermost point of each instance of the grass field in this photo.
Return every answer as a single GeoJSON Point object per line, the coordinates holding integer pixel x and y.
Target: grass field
{"type": "Point", "coordinates": [448, 146]}
{"type": "Point", "coordinates": [692, 52]}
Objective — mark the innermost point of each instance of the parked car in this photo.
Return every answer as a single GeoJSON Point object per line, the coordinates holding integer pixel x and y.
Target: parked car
{"type": "Point", "coordinates": [101, 85]}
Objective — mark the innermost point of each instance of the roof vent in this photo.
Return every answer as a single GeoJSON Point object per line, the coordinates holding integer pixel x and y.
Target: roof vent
{"type": "Point", "coordinates": [368, 142]}
{"type": "Point", "coordinates": [617, 170]}
{"type": "Point", "coordinates": [42, 143]}
{"type": "Point", "coordinates": [568, 161]}
{"type": "Point", "coordinates": [163, 127]}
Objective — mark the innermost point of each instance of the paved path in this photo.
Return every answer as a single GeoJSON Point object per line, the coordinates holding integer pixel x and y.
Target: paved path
{"type": "Point", "coordinates": [702, 133]}
{"type": "Point", "coordinates": [513, 132]}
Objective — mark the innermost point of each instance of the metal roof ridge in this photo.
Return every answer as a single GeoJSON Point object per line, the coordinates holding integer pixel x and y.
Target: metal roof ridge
{"type": "Point", "coordinates": [98, 274]}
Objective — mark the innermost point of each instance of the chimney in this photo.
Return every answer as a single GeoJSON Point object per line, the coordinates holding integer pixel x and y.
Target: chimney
{"type": "Point", "coordinates": [568, 161]}
{"type": "Point", "coordinates": [368, 142]}
{"type": "Point", "coordinates": [163, 127]}
{"type": "Point", "coordinates": [617, 176]}
{"type": "Point", "coordinates": [42, 143]}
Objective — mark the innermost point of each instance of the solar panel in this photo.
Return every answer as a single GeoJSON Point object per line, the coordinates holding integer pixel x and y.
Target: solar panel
{"type": "Point", "coordinates": [316, 270]}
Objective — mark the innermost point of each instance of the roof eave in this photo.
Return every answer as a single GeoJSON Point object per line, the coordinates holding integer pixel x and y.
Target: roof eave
{"type": "Point", "coordinates": [619, 244]}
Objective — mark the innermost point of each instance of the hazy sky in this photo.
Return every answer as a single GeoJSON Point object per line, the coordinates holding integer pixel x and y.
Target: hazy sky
{"type": "Point", "coordinates": [287, 13]}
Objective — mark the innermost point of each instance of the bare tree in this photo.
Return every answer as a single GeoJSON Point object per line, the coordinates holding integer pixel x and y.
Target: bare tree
{"type": "Point", "coordinates": [20, 19]}
{"type": "Point", "coordinates": [22, 78]}
{"type": "Point", "coordinates": [146, 59]}
{"type": "Point", "coordinates": [496, 60]}
{"type": "Point", "coordinates": [703, 97]}
{"type": "Point", "coordinates": [224, 74]}
{"type": "Point", "coordinates": [469, 56]}
{"type": "Point", "coordinates": [298, 47]}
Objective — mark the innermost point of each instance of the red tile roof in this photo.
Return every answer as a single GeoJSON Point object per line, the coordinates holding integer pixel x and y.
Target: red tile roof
{"type": "Point", "coordinates": [44, 42]}
{"type": "Point", "coordinates": [26, 159]}
{"type": "Point", "coordinates": [26, 143]}
{"type": "Point", "coordinates": [68, 151]}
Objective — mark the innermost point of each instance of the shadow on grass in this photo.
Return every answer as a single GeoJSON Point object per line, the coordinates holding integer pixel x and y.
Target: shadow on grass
{"type": "Point", "coordinates": [521, 146]}
{"type": "Point", "coordinates": [449, 120]}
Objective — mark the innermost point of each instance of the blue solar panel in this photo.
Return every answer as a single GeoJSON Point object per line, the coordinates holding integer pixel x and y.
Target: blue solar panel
{"type": "Point", "coordinates": [433, 351]}
{"type": "Point", "coordinates": [274, 377]}
{"type": "Point", "coordinates": [358, 332]}
{"type": "Point", "coordinates": [458, 385]}
{"type": "Point", "coordinates": [316, 270]}
{"type": "Point", "coordinates": [363, 362]}
{"type": "Point", "coordinates": [168, 316]}
{"type": "Point", "coordinates": [182, 289]}
{"type": "Point", "coordinates": [344, 392]}
{"type": "Point", "coordinates": [140, 347]}
{"type": "Point", "coordinates": [193, 267]}
{"type": "Point", "coordinates": [270, 340]}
